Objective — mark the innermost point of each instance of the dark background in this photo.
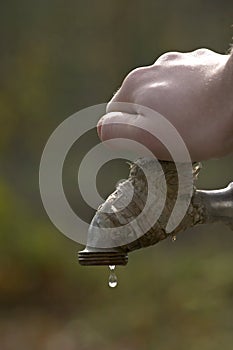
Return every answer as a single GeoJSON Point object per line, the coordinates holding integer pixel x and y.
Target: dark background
{"type": "Point", "coordinates": [58, 57]}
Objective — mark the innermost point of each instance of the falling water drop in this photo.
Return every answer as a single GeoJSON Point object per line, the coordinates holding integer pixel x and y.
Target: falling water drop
{"type": "Point", "coordinates": [112, 281]}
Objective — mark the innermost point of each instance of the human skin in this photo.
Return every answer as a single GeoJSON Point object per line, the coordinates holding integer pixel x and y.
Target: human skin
{"type": "Point", "coordinates": [193, 91]}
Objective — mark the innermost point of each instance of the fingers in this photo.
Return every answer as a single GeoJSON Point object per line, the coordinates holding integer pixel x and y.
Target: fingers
{"type": "Point", "coordinates": [117, 125]}
{"type": "Point", "coordinates": [135, 127]}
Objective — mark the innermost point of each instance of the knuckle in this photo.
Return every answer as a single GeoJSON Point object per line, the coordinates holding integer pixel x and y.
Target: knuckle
{"type": "Point", "coordinates": [169, 56]}
{"type": "Point", "coordinates": [134, 76]}
{"type": "Point", "coordinates": [130, 84]}
{"type": "Point", "coordinates": [202, 51]}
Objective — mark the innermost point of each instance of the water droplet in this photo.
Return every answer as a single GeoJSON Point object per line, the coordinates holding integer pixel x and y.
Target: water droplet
{"type": "Point", "coordinates": [112, 281]}
{"type": "Point", "coordinates": [174, 238]}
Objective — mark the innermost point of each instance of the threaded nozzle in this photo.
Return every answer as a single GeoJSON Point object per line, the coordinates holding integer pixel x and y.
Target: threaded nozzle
{"type": "Point", "coordinates": [89, 257]}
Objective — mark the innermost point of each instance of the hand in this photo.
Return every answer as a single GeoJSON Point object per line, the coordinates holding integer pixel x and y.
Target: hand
{"type": "Point", "coordinates": [193, 90]}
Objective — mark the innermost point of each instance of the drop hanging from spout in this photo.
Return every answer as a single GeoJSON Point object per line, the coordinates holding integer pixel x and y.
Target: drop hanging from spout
{"type": "Point", "coordinates": [112, 281]}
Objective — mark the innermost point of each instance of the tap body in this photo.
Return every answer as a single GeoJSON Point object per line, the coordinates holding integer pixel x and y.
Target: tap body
{"type": "Point", "coordinates": [204, 207]}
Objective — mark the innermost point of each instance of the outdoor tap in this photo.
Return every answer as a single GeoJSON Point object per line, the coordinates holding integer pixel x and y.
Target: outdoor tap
{"type": "Point", "coordinates": [204, 207]}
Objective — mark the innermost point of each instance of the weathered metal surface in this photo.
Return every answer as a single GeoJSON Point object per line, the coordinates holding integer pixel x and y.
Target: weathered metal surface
{"type": "Point", "coordinates": [204, 207]}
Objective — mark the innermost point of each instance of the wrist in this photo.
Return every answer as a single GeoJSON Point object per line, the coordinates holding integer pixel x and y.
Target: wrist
{"type": "Point", "coordinates": [230, 62]}
{"type": "Point", "coordinates": [227, 76]}
{"type": "Point", "coordinates": [226, 95]}
{"type": "Point", "coordinates": [229, 65]}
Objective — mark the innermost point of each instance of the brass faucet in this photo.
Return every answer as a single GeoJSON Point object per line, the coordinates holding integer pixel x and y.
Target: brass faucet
{"type": "Point", "coordinates": [206, 206]}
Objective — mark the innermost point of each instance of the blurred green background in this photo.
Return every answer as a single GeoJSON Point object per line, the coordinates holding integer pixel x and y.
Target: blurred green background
{"type": "Point", "coordinates": [58, 57]}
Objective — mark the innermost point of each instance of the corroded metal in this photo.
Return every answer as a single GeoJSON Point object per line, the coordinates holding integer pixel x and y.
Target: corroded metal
{"type": "Point", "coordinates": [204, 207]}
